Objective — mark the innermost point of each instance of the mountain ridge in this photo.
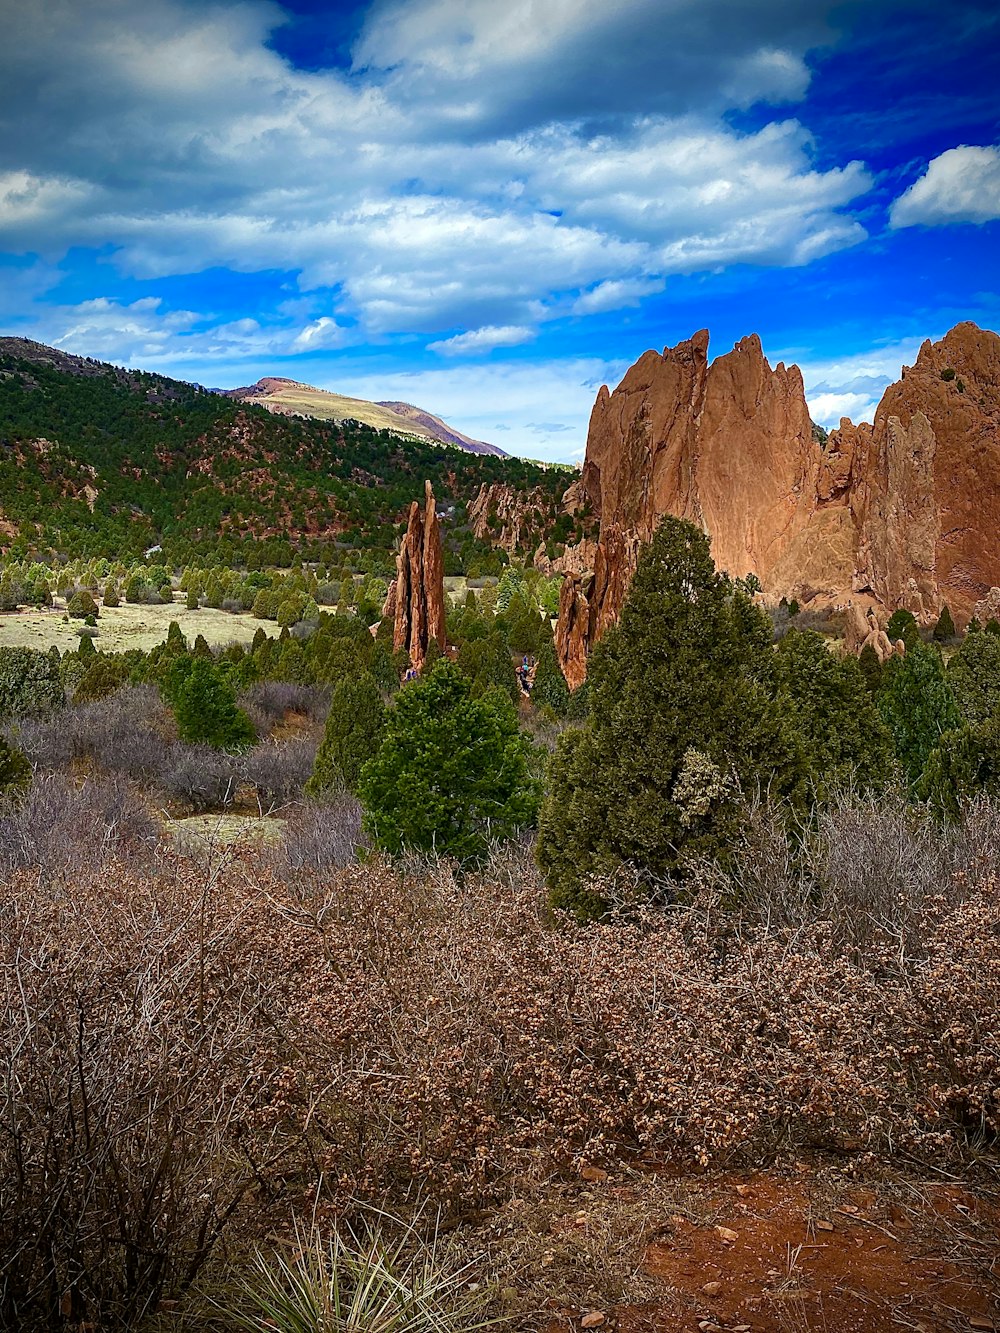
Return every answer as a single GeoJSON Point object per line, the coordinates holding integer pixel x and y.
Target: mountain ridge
{"type": "Point", "coordinates": [285, 396]}
{"type": "Point", "coordinates": [100, 459]}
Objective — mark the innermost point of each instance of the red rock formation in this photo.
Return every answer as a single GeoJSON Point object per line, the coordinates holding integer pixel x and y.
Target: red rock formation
{"type": "Point", "coordinates": [901, 513]}
{"type": "Point", "coordinates": [416, 600]}
{"type": "Point", "coordinates": [513, 510]}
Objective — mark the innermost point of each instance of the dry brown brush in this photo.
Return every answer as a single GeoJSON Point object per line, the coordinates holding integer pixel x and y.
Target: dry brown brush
{"type": "Point", "coordinates": [185, 1052]}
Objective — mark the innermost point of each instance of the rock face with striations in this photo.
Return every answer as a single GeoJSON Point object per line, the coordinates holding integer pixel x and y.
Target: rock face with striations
{"type": "Point", "coordinates": [415, 601]}
{"type": "Point", "coordinates": [900, 513]}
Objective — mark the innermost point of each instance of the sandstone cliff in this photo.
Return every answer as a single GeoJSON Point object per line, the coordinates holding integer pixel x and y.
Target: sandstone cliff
{"type": "Point", "coordinates": [415, 601]}
{"type": "Point", "coordinates": [900, 513]}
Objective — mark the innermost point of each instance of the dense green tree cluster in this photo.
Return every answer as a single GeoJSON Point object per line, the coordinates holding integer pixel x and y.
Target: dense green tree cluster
{"type": "Point", "coordinates": [683, 715]}
{"type": "Point", "coordinates": [354, 728]}
{"type": "Point", "coordinates": [136, 460]}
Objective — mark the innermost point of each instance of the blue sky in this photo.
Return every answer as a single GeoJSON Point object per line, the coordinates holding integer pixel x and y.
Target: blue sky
{"type": "Point", "coordinates": [491, 208]}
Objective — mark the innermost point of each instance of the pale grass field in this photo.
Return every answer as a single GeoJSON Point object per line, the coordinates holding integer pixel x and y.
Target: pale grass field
{"type": "Point", "coordinates": [127, 626]}
{"type": "Point", "coordinates": [198, 833]}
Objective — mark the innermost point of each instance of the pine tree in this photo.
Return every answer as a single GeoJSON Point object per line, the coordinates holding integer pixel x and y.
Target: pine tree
{"type": "Point", "coordinates": [680, 716]}
{"type": "Point", "coordinates": [354, 728]}
{"type": "Point", "coordinates": [871, 669]}
{"type": "Point", "coordinates": [81, 605]}
{"type": "Point", "coordinates": [974, 676]}
{"type": "Point", "coordinates": [204, 705]}
{"type": "Point", "coordinates": [945, 627]}
{"type": "Point", "coordinates": [843, 736]}
{"type": "Point", "coordinates": [452, 774]}
{"type": "Point", "coordinates": [903, 625]}
{"type": "Point", "coordinates": [550, 687]}
{"type": "Point", "coordinates": [918, 706]}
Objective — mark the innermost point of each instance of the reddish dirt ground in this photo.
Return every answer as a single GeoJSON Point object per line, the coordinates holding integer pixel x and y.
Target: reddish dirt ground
{"type": "Point", "coordinates": [766, 1253]}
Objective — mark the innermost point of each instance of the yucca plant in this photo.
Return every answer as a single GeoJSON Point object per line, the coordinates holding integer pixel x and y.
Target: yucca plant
{"type": "Point", "coordinates": [344, 1283]}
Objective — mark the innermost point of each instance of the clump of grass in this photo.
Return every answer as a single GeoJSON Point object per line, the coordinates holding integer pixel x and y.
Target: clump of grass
{"type": "Point", "coordinates": [338, 1283]}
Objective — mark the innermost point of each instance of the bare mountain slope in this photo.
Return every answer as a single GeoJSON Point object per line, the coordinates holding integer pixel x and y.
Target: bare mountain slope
{"type": "Point", "coordinates": [289, 397]}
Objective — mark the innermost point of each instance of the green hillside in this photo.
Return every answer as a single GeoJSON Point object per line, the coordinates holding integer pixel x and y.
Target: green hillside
{"type": "Point", "coordinates": [99, 460]}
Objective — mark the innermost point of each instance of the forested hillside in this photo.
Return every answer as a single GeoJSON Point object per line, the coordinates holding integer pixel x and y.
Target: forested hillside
{"type": "Point", "coordinates": [103, 461]}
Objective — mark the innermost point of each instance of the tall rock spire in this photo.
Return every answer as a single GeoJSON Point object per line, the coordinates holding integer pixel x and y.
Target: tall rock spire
{"type": "Point", "coordinates": [416, 599]}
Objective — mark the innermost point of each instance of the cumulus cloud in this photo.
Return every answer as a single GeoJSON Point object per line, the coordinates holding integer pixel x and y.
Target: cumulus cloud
{"type": "Point", "coordinates": [142, 333]}
{"type": "Point", "coordinates": [616, 294]}
{"type": "Point", "coordinates": [960, 185]}
{"type": "Point", "coordinates": [483, 340]}
{"type": "Point", "coordinates": [481, 167]}
{"type": "Point", "coordinates": [827, 409]}
{"type": "Point", "coordinates": [851, 386]}
{"type": "Point", "coordinates": [510, 65]}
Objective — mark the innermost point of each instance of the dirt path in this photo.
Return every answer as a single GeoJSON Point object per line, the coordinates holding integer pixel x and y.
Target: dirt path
{"type": "Point", "coordinates": [781, 1253]}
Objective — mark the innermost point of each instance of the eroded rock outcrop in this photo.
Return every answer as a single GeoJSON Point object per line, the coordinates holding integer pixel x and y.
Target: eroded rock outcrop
{"type": "Point", "coordinates": [901, 513]}
{"type": "Point", "coordinates": [416, 602]}
{"type": "Point", "coordinates": [988, 607]}
{"type": "Point", "coordinates": [499, 506]}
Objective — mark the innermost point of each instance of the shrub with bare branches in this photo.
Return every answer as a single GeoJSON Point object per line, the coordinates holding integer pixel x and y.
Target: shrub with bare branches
{"type": "Point", "coordinates": [191, 1052]}
{"type": "Point", "coordinates": [278, 773]}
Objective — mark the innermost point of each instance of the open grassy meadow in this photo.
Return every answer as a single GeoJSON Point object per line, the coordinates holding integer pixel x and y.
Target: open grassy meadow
{"type": "Point", "coordinates": [126, 626]}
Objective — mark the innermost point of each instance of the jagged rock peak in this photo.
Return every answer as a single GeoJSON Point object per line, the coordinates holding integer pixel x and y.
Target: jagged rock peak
{"type": "Point", "coordinates": [901, 513]}
{"type": "Point", "coordinates": [416, 600]}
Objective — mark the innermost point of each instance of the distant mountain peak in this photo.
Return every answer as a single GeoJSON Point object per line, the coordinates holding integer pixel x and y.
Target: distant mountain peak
{"type": "Point", "coordinates": [290, 397]}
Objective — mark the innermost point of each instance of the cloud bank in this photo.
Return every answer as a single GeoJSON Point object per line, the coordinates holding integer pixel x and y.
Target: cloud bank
{"type": "Point", "coordinates": [479, 167]}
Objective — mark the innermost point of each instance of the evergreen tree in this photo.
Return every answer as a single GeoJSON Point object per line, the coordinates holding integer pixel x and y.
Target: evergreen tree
{"type": "Point", "coordinates": [945, 627]}
{"type": "Point", "coordinates": [965, 762]}
{"type": "Point", "coordinates": [511, 585]}
{"type": "Point", "coordinates": [81, 605]}
{"type": "Point", "coordinates": [974, 676]}
{"type": "Point", "coordinates": [452, 773]}
{"type": "Point", "coordinates": [354, 728]}
{"type": "Point", "coordinates": [176, 642]}
{"type": "Point", "coordinates": [680, 717]}
{"type": "Point", "coordinates": [918, 706]}
{"type": "Point", "coordinates": [550, 688]}
{"type": "Point", "coordinates": [204, 705]}
{"type": "Point", "coordinates": [30, 683]}
{"type": "Point", "coordinates": [487, 662]}
{"type": "Point", "coordinates": [843, 736]}
{"type": "Point", "coordinates": [903, 625]}
{"type": "Point", "coordinates": [111, 597]}
{"type": "Point", "coordinates": [871, 669]}
{"type": "Point", "coordinates": [192, 601]}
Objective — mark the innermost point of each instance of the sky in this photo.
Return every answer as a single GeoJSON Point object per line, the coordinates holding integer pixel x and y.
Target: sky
{"type": "Point", "coordinates": [491, 207]}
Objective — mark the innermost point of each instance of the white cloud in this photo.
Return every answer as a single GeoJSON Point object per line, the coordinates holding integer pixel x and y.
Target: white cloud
{"type": "Point", "coordinates": [960, 185]}
{"type": "Point", "coordinates": [851, 386]}
{"type": "Point", "coordinates": [616, 295]}
{"type": "Point", "coordinates": [142, 333]}
{"type": "Point", "coordinates": [455, 179]}
{"type": "Point", "coordinates": [519, 62]}
{"type": "Point", "coordinates": [320, 334]}
{"type": "Point", "coordinates": [483, 340]}
{"type": "Point", "coordinates": [828, 408]}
